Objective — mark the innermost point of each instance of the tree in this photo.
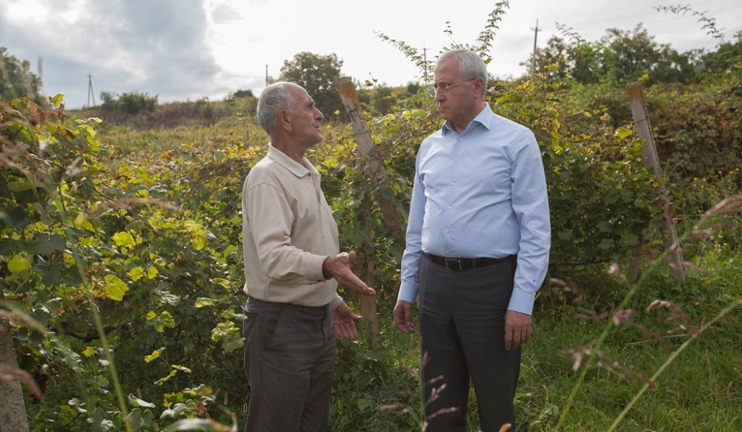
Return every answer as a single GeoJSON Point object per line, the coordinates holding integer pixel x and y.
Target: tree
{"type": "Point", "coordinates": [316, 74]}
{"type": "Point", "coordinates": [727, 59]}
{"type": "Point", "coordinates": [17, 80]}
{"type": "Point", "coordinates": [618, 58]}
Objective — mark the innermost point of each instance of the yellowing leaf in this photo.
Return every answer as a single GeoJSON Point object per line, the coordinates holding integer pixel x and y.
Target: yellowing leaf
{"type": "Point", "coordinates": [152, 273]}
{"type": "Point", "coordinates": [89, 352]}
{"type": "Point", "coordinates": [115, 288]}
{"type": "Point", "coordinates": [203, 302]}
{"type": "Point", "coordinates": [623, 132]}
{"type": "Point", "coordinates": [136, 273]}
{"type": "Point", "coordinates": [124, 239]}
{"type": "Point", "coordinates": [155, 355]}
{"type": "Point", "coordinates": [18, 264]}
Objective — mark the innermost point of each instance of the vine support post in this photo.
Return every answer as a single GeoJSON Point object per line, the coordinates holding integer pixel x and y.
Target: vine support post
{"type": "Point", "coordinates": [373, 168]}
{"type": "Point", "coordinates": [13, 417]}
{"type": "Point", "coordinates": [651, 161]}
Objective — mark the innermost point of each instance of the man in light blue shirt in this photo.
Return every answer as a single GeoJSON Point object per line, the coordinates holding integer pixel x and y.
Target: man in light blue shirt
{"type": "Point", "coordinates": [478, 240]}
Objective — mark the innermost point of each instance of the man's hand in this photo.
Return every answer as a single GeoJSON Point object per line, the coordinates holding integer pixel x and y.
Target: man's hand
{"type": "Point", "coordinates": [344, 320]}
{"type": "Point", "coordinates": [517, 329]}
{"type": "Point", "coordinates": [403, 316]}
{"type": "Point", "coordinates": [339, 268]}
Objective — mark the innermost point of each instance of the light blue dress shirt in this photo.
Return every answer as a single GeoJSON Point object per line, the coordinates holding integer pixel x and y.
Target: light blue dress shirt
{"type": "Point", "coordinates": [480, 193]}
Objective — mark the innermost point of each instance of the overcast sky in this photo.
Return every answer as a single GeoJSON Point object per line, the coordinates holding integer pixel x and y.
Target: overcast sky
{"type": "Point", "coordinates": [188, 49]}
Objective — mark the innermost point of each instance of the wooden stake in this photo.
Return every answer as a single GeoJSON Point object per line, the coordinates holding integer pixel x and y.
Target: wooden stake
{"type": "Point", "coordinates": [651, 160]}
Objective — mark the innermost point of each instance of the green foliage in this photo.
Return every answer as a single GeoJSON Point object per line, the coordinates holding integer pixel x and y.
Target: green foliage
{"type": "Point", "coordinates": [581, 154]}
{"type": "Point", "coordinates": [726, 60]}
{"type": "Point", "coordinates": [617, 58]}
{"type": "Point", "coordinates": [129, 103]}
{"type": "Point", "coordinates": [17, 80]}
{"type": "Point", "coordinates": [316, 73]}
{"type": "Point", "coordinates": [243, 93]}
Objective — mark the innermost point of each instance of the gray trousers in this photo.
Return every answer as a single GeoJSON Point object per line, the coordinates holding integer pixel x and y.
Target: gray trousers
{"type": "Point", "coordinates": [462, 326]}
{"type": "Point", "coordinates": [289, 352]}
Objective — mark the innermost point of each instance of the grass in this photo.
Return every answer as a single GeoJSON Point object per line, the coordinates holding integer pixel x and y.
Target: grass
{"type": "Point", "coordinates": [700, 388]}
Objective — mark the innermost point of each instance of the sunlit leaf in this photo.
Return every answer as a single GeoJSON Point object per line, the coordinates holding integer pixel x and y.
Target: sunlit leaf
{"type": "Point", "coordinates": [18, 264]}
{"type": "Point", "coordinates": [115, 288]}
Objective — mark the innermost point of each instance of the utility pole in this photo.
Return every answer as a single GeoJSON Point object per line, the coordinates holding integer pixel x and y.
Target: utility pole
{"type": "Point", "coordinates": [266, 75]}
{"type": "Point", "coordinates": [41, 73]}
{"type": "Point", "coordinates": [425, 62]}
{"type": "Point", "coordinates": [91, 93]}
{"type": "Point", "coordinates": [535, 39]}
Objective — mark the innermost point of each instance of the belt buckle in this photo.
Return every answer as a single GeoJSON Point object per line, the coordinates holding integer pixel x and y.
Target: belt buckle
{"type": "Point", "coordinates": [456, 260]}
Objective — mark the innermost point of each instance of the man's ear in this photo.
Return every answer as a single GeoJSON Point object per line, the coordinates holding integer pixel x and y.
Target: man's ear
{"type": "Point", "coordinates": [284, 120]}
{"type": "Point", "coordinates": [478, 83]}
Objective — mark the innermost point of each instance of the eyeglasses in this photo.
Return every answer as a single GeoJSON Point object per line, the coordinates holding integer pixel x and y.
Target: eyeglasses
{"type": "Point", "coordinates": [445, 88]}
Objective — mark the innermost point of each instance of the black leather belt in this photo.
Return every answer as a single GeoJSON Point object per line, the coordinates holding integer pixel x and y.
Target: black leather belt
{"type": "Point", "coordinates": [461, 264]}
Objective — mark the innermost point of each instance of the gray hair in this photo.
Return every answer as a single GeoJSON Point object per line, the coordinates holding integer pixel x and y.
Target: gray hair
{"type": "Point", "coordinates": [273, 99]}
{"type": "Point", "coordinates": [471, 65]}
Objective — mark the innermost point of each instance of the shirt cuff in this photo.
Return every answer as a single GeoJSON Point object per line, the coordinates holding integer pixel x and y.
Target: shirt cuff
{"type": "Point", "coordinates": [521, 301]}
{"type": "Point", "coordinates": [407, 292]}
{"type": "Point", "coordinates": [336, 302]}
{"type": "Point", "coordinates": [313, 267]}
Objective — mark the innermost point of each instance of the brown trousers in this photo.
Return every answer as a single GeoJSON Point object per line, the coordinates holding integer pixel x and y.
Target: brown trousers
{"type": "Point", "coordinates": [289, 352]}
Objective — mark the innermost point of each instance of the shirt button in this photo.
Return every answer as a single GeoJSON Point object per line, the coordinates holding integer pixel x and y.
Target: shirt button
{"type": "Point", "coordinates": [457, 160]}
{"type": "Point", "coordinates": [453, 183]}
{"type": "Point", "coordinates": [450, 207]}
{"type": "Point", "coordinates": [448, 230]}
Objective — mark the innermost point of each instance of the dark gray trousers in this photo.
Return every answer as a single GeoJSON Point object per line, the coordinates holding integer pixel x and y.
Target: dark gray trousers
{"type": "Point", "coordinates": [289, 352]}
{"type": "Point", "coordinates": [462, 326]}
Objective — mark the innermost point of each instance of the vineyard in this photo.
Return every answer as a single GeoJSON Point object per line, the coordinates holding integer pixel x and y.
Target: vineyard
{"type": "Point", "coordinates": [121, 270]}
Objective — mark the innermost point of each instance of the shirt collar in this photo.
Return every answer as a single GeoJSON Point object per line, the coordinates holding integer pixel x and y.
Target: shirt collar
{"type": "Point", "coordinates": [295, 167]}
{"type": "Point", "coordinates": [484, 118]}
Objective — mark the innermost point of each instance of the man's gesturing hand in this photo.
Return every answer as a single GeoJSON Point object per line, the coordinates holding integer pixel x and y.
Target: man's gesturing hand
{"type": "Point", "coordinates": [344, 319]}
{"type": "Point", "coordinates": [339, 268]}
{"type": "Point", "coordinates": [403, 316]}
{"type": "Point", "coordinates": [517, 329]}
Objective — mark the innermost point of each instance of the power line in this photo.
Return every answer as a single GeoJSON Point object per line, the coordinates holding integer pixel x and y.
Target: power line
{"type": "Point", "coordinates": [601, 12]}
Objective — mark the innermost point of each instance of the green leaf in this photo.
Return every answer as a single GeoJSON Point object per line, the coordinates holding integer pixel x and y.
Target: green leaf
{"type": "Point", "coordinates": [206, 425]}
{"type": "Point", "coordinates": [18, 264]}
{"type": "Point", "coordinates": [47, 243]}
{"type": "Point", "coordinates": [52, 276]}
{"type": "Point", "coordinates": [135, 401]}
{"type": "Point", "coordinates": [141, 420]}
{"type": "Point", "coordinates": [174, 411]}
{"type": "Point", "coordinates": [10, 246]}
{"type": "Point", "coordinates": [20, 185]}
{"type": "Point", "coordinates": [16, 218]}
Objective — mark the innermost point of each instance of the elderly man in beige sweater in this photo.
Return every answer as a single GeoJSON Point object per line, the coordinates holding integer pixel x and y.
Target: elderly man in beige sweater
{"type": "Point", "coordinates": [292, 269]}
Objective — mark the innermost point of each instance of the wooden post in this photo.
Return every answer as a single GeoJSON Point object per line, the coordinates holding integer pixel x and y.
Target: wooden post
{"type": "Point", "coordinates": [651, 161]}
{"type": "Point", "coordinates": [374, 168]}
{"type": "Point", "coordinates": [13, 417]}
